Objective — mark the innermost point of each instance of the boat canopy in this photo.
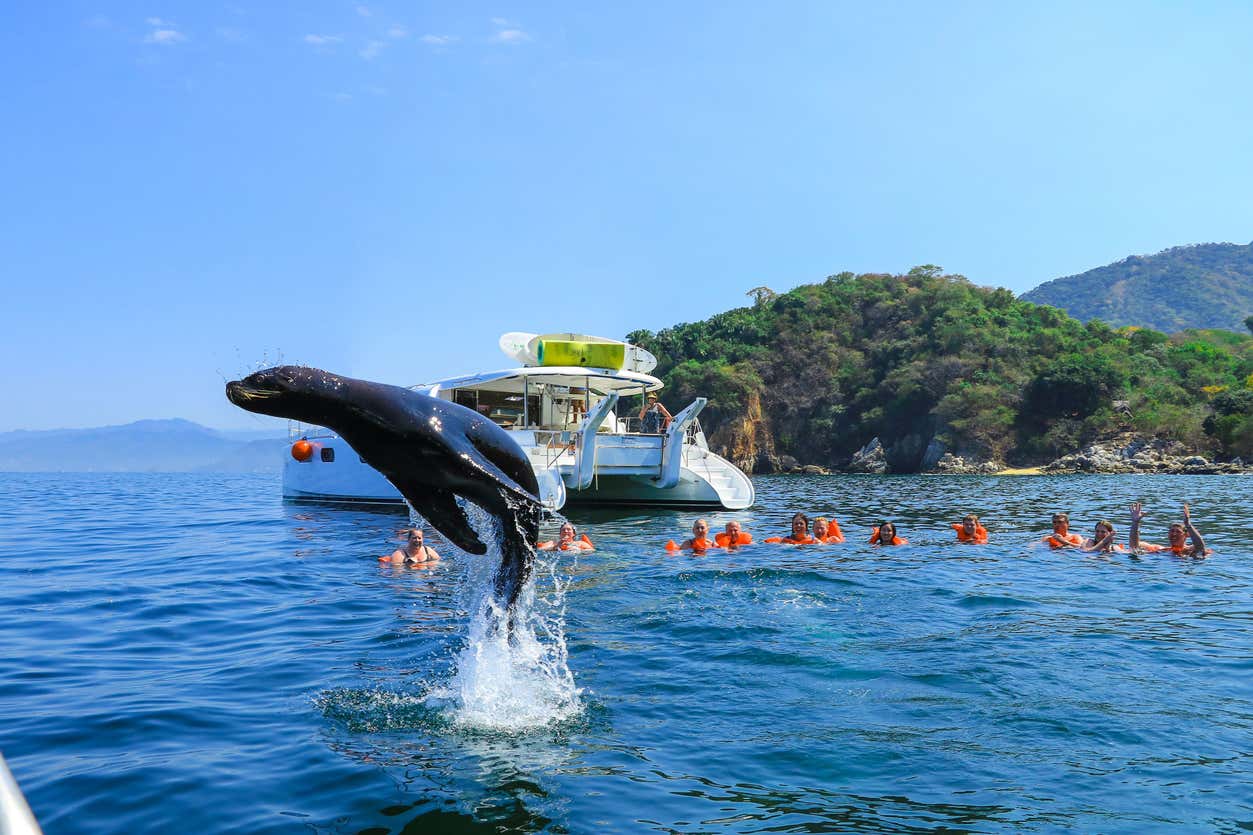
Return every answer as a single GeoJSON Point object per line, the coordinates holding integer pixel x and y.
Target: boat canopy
{"type": "Point", "coordinates": [598, 380]}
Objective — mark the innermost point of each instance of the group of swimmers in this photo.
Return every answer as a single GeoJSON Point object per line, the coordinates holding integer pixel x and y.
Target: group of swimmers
{"type": "Point", "coordinates": [1183, 539]}
{"type": "Point", "coordinates": [415, 552]}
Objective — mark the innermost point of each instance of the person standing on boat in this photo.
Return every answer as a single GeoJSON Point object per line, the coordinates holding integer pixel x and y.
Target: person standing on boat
{"type": "Point", "coordinates": [654, 417]}
{"type": "Point", "coordinates": [414, 552]}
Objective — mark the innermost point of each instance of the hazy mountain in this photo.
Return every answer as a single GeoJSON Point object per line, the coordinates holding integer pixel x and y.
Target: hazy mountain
{"type": "Point", "coordinates": [174, 445]}
{"type": "Point", "coordinates": [1200, 286]}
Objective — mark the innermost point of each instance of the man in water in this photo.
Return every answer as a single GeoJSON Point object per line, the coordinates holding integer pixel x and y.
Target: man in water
{"type": "Point", "coordinates": [1179, 535]}
{"type": "Point", "coordinates": [414, 552]}
{"type": "Point", "coordinates": [1061, 536]}
{"type": "Point", "coordinates": [734, 536]}
{"type": "Point", "coordinates": [969, 530]}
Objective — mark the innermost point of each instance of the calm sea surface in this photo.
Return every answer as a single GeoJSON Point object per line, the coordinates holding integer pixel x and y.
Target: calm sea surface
{"type": "Point", "coordinates": [185, 653]}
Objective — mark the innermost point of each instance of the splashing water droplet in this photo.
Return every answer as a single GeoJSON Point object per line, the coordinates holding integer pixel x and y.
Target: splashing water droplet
{"type": "Point", "coordinates": [511, 680]}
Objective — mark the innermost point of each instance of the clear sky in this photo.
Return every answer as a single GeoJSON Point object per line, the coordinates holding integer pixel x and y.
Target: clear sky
{"type": "Point", "coordinates": [192, 190]}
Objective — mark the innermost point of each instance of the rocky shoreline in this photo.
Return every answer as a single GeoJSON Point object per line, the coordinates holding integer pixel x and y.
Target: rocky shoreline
{"type": "Point", "coordinates": [1127, 453]}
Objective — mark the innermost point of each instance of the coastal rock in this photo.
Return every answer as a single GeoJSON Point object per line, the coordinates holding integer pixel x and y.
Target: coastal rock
{"type": "Point", "coordinates": [1131, 453]}
{"type": "Point", "coordinates": [869, 459]}
{"type": "Point", "coordinates": [788, 464]}
{"type": "Point", "coordinates": [763, 463]}
{"type": "Point", "coordinates": [748, 441]}
{"type": "Point", "coordinates": [931, 457]}
{"type": "Point", "coordinates": [950, 464]}
{"type": "Point", "coordinates": [814, 469]}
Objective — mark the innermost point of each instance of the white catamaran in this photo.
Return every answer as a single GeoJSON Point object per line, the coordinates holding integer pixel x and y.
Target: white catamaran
{"type": "Point", "coordinates": [563, 405]}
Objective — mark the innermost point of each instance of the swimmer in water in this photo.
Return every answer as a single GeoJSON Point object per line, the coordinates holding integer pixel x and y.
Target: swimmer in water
{"type": "Point", "coordinates": [885, 534]}
{"type": "Point", "coordinates": [1183, 537]}
{"type": "Point", "coordinates": [1102, 540]}
{"type": "Point", "coordinates": [567, 540]}
{"type": "Point", "coordinates": [734, 536]}
{"type": "Point", "coordinates": [827, 530]}
{"type": "Point", "coordinates": [414, 552]}
{"type": "Point", "coordinates": [969, 530]}
{"type": "Point", "coordinates": [1061, 537]}
{"type": "Point", "coordinates": [700, 540]}
{"type": "Point", "coordinates": [800, 532]}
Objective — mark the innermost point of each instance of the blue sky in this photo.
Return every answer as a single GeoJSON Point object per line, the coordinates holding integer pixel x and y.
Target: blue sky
{"type": "Point", "coordinates": [193, 190]}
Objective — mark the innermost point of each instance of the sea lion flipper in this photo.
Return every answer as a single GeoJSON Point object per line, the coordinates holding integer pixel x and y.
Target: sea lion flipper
{"type": "Point", "coordinates": [506, 482]}
{"type": "Point", "coordinates": [440, 508]}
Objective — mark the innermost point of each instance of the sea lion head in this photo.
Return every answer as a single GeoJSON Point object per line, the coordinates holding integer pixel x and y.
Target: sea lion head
{"type": "Point", "coordinates": [287, 391]}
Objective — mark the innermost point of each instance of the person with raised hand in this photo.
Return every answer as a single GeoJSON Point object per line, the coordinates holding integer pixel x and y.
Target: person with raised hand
{"type": "Point", "coordinates": [1184, 540]}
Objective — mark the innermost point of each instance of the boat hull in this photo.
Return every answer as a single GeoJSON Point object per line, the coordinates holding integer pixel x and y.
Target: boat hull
{"type": "Point", "coordinates": [346, 479]}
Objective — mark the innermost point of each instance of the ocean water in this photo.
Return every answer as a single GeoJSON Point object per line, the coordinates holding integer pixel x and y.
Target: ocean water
{"type": "Point", "coordinates": [186, 653]}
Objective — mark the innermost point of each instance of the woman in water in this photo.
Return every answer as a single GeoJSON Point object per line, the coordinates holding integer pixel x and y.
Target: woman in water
{"type": "Point", "coordinates": [800, 532]}
{"type": "Point", "coordinates": [1102, 541]}
{"type": "Point", "coordinates": [415, 551]}
{"type": "Point", "coordinates": [567, 540]}
{"type": "Point", "coordinates": [885, 534]}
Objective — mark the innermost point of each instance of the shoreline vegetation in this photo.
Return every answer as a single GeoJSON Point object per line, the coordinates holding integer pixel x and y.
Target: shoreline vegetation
{"type": "Point", "coordinates": [929, 373]}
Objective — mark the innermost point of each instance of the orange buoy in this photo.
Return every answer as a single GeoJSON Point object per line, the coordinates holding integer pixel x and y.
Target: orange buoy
{"type": "Point", "coordinates": [302, 450]}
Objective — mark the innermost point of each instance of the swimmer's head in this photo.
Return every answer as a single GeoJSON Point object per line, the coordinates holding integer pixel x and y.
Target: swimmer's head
{"type": "Point", "coordinates": [970, 522]}
{"type": "Point", "coordinates": [700, 529]}
{"type": "Point", "coordinates": [1061, 522]}
{"type": "Point", "coordinates": [887, 531]}
{"type": "Point", "coordinates": [821, 526]}
{"type": "Point", "coordinates": [567, 533]}
{"type": "Point", "coordinates": [1178, 533]}
{"type": "Point", "coordinates": [800, 524]}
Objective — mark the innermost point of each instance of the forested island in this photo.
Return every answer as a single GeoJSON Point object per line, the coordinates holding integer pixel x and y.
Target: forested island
{"type": "Point", "coordinates": [1197, 286]}
{"type": "Point", "coordinates": [928, 372]}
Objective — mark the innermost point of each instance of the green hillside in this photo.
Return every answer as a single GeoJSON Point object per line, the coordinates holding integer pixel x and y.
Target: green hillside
{"type": "Point", "coordinates": [817, 372]}
{"type": "Point", "coordinates": [1201, 286]}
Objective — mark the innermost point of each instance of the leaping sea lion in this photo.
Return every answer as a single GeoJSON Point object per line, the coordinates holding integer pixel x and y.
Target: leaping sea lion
{"type": "Point", "coordinates": [431, 449]}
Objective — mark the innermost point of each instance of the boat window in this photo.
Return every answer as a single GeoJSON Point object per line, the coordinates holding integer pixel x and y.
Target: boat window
{"type": "Point", "coordinates": [504, 408]}
{"type": "Point", "coordinates": [328, 454]}
{"type": "Point", "coordinates": [466, 397]}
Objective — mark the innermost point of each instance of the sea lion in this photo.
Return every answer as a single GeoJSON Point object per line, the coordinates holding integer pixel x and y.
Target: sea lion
{"type": "Point", "coordinates": [431, 449]}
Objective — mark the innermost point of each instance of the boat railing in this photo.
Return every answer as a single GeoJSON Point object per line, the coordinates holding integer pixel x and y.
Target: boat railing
{"type": "Point", "coordinates": [297, 430]}
{"type": "Point", "coordinates": [554, 443]}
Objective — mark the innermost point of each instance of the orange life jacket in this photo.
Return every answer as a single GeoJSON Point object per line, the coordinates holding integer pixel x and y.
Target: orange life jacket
{"type": "Point", "coordinates": [695, 545]}
{"type": "Point", "coordinates": [723, 540]}
{"type": "Point", "coordinates": [1070, 538]}
{"type": "Point", "coordinates": [980, 536]}
{"type": "Point", "coordinates": [834, 534]}
{"type": "Point", "coordinates": [580, 544]}
{"type": "Point", "coordinates": [791, 540]}
{"type": "Point", "coordinates": [896, 540]}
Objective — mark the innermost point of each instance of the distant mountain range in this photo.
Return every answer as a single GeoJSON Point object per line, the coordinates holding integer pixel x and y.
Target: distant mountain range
{"type": "Point", "coordinates": [143, 446]}
{"type": "Point", "coordinates": [1200, 286]}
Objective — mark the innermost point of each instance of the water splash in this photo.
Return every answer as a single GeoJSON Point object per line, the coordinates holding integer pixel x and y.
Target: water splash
{"type": "Point", "coordinates": [511, 679]}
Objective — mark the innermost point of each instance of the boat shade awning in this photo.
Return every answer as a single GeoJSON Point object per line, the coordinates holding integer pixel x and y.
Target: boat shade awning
{"type": "Point", "coordinates": [599, 380]}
